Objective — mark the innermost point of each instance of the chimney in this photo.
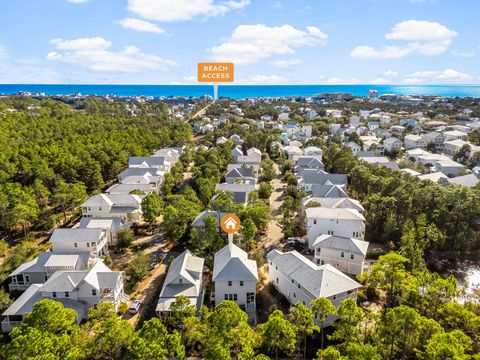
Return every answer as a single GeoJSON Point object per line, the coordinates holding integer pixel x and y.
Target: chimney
{"type": "Point", "coordinates": [230, 242]}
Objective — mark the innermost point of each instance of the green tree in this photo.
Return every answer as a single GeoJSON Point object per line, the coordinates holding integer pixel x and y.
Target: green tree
{"type": "Point", "coordinates": [138, 267]}
{"type": "Point", "coordinates": [330, 353]}
{"type": "Point", "coordinates": [265, 190]}
{"type": "Point", "coordinates": [346, 330]}
{"type": "Point", "coordinates": [124, 238]}
{"type": "Point", "coordinates": [452, 345]}
{"type": "Point", "coordinates": [278, 334]}
{"type": "Point", "coordinates": [389, 274]}
{"type": "Point", "coordinates": [304, 320]}
{"type": "Point", "coordinates": [66, 196]}
{"type": "Point", "coordinates": [362, 352]}
{"type": "Point", "coordinates": [152, 207]}
{"type": "Point", "coordinates": [153, 342]}
{"type": "Point", "coordinates": [5, 300]}
{"type": "Point", "coordinates": [323, 308]}
{"type": "Point", "coordinates": [108, 335]}
{"type": "Point", "coordinates": [48, 332]}
{"type": "Point", "coordinates": [247, 232]}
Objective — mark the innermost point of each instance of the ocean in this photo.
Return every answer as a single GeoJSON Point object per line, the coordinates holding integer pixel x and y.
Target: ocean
{"type": "Point", "coordinates": [241, 91]}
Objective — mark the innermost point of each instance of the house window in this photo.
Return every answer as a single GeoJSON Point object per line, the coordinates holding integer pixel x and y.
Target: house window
{"type": "Point", "coordinates": [75, 245]}
{"type": "Point", "coordinates": [356, 234]}
{"type": "Point", "coordinates": [330, 232]}
{"type": "Point", "coordinates": [94, 292]}
{"type": "Point", "coordinates": [234, 297]}
{"type": "Point", "coordinates": [27, 278]}
{"type": "Point", "coordinates": [298, 285]}
{"type": "Point", "coordinates": [241, 283]}
{"type": "Point", "coordinates": [293, 281]}
{"type": "Point", "coordinates": [67, 294]}
{"type": "Point", "coordinates": [342, 254]}
{"type": "Point", "coordinates": [93, 243]}
{"type": "Point", "coordinates": [277, 280]}
{"type": "Point", "coordinates": [250, 297]}
{"type": "Point", "coordinates": [229, 283]}
{"type": "Point", "coordinates": [314, 221]}
{"type": "Point", "coordinates": [54, 294]}
{"type": "Point", "coordinates": [88, 244]}
{"type": "Point", "coordinates": [322, 262]}
{"type": "Point", "coordinates": [225, 297]}
{"type": "Point", "coordinates": [352, 256]}
{"type": "Point", "coordinates": [334, 297]}
{"type": "Point", "coordinates": [180, 281]}
{"type": "Point", "coordinates": [46, 277]}
{"type": "Point", "coordinates": [294, 295]}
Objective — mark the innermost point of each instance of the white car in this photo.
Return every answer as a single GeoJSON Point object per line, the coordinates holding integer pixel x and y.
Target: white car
{"type": "Point", "coordinates": [133, 309]}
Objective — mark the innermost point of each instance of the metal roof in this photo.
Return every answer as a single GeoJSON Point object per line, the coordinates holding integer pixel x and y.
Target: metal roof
{"type": "Point", "coordinates": [318, 281]}
{"type": "Point", "coordinates": [351, 245]}
{"type": "Point", "coordinates": [334, 213]}
{"type": "Point", "coordinates": [232, 263]}
{"type": "Point", "coordinates": [77, 235]}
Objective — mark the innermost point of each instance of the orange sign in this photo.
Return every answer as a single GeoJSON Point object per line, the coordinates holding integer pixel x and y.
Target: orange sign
{"type": "Point", "coordinates": [215, 72]}
{"type": "Point", "coordinates": [230, 223]}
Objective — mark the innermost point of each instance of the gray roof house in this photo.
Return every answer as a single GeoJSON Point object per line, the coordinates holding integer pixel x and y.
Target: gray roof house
{"type": "Point", "coordinates": [311, 177]}
{"type": "Point", "coordinates": [308, 162]}
{"type": "Point", "coordinates": [184, 277]}
{"type": "Point", "coordinates": [300, 280]}
{"type": "Point", "coordinates": [328, 190]}
{"type": "Point", "coordinates": [158, 162]}
{"type": "Point", "coordinates": [240, 191]}
{"type": "Point", "coordinates": [235, 277]}
{"type": "Point", "coordinates": [243, 175]}
{"type": "Point", "coordinates": [93, 241]}
{"type": "Point", "coordinates": [39, 269]}
{"type": "Point", "coordinates": [76, 289]}
{"type": "Point", "coordinates": [198, 223]}
{"type": "Point", "coordinates": [124, 206]}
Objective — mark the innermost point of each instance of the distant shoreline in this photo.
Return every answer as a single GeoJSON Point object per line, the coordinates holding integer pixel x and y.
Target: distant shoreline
{"type": "Point", "coordinates": [239, 91]}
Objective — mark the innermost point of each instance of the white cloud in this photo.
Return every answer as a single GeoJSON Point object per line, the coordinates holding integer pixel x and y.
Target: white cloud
{"type": "Point", "coordinates": [423, 37]}
{"type": "Point", "coordinates": [264, 80]}
{"type": "Point", "coordinates": [283, 64]}
{"type": "Point", "coordinates": [386, 78]}
{"type": "Point", "coordinates": [141, 25]}
{"type": "Point", "coordinates": [445, 76]}
{"type": "Point", "coordinates": [387, 52]}
{"type": "Point", "coordinates": [78, 1]}
{"type": "Point", "coordinates": [390, 73]}
{"type": "Point", "coordinates": [94, 54]}
{"type": "Point", "coordinates": [168, 10]}
{"type": "Point", "coordinates": [464, 54]}
{"type": "Point", "coordinates": [251, 43]}
{"type": "Point", "coordinates": [335, 80]}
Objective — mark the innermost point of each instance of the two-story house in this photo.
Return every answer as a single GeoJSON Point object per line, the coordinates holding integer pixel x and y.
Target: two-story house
{"type": "Point", "coordinates": [333, 221]}
{"type": "Point", "coordinates": [127, 207]}
{"type": "Point", "coordinates": [184, 277]}
{"type": "Point", "coordinates": [80, 240]}
{"type": "Point", "coordinates": [300, 280]}
{"type": "Point", "coordinates": [39, 269]}
{"type": "Point", "coordinates": [345, 254]}
{"type": "Point", "coordinates": [76, 289]}
{"type": "Point", "coordinates": [235, 277]}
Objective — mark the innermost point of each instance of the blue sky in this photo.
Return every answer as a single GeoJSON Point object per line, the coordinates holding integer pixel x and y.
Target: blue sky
{"type": "Point", "coordinates": [270, 42]}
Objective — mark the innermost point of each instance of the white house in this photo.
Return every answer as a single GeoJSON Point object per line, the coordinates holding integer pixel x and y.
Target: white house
{"type": "Point", "coordinates": [313, 151]}
{"type": "Point", "coordinates": [158, 162]}
{"type": "Point", "coordinates": [392, 144]}
{"type": "Point", "coordinates": [345, 254]}
{"type": "Point", "coordinates": [184, 277]}
{"type": "Point", "coordinates": [353, 146]}
{"type": "Point", "coordinates": [333, 221]}
{"type": "Point", "coordinates": [413, 141]}
{"type": "Point", "coordinates": [126, 207]}
{"type": "Point", "coordinates": [235, 277]}
{"type": "Point", "coordinates": [300, 280]}
{"type": "Point", "coordinates": [80, 240]}
{"type": "Point", "coordinates": [39, 269]}
{"type": "Point", "coordinates": [76, 289]}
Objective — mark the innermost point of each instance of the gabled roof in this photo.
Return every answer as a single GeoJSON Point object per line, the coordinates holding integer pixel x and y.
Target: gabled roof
{"type": "Point", "coordinates": [113, 200]}
{"type": "Point", "coordinates": [469, 180]}
{"type": "Point", "coordinates": [318, 281]}
{"type": "Point", "coordinates": [25, 302]}
{"type": "Point", "coordinates": [234, 188]}
{"type": "Point", "coordinates": [77, 235]}
{"type": "Point", "coordinates": [240, 173]}
{"type": "Point", "coordinates": [232, 263]}
{"type": "Point", "coordinates": [351, 245]}
{"type": "Point", "coordinates": [335, 213]}
{"type": "Point", "coordinates": [186, 265]}
{"type": "Point", "coordinates": [340, 202]}
{"type": "Point", "coordinates": [334, 191]}
{"type": "Point", "coordinates": [151, 161]}
{"type": "Point", "coordinates": [314, 176]}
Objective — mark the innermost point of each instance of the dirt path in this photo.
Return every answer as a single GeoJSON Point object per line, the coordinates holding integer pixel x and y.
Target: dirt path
{"type": "Point", "coordinates": [275, 234]}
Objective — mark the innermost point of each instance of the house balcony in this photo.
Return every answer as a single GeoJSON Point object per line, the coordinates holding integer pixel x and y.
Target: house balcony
{"type": "Point", "coordinates": [8, 325]}
{"type": "Point", "coordinates": [16, 286]}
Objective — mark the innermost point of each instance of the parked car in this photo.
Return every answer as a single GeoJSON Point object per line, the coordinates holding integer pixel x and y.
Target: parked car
{"type": "Point", "coordinates": [133, 309]}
